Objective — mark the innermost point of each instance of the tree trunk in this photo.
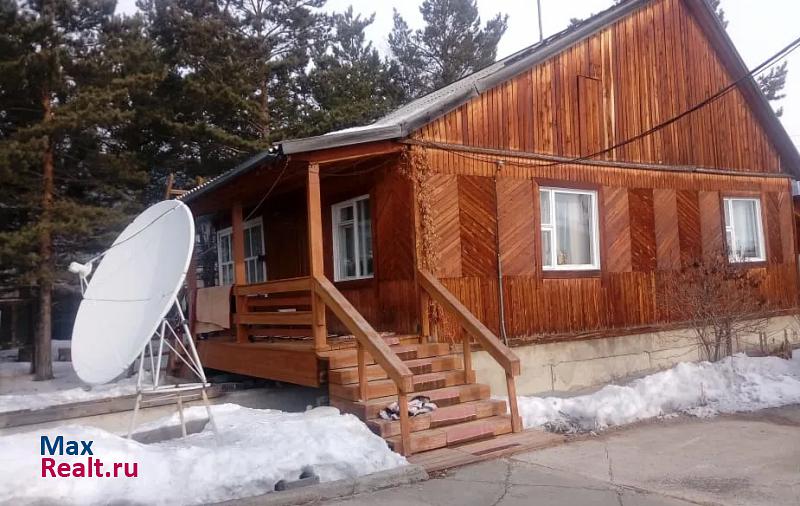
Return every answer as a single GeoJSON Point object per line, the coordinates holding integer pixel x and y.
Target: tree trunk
{"type": "Point", "coordinates": [265, 117]}
{"type": "Point", "coordinates": [43, 362]}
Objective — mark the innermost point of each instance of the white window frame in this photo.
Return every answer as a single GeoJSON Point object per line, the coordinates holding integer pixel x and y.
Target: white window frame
{"type": "Point", "coordinates": [595, 228]}
{"type": "Point", "coordinates": [228, 232]}
{"type": "Point", "coordinates": [727, 202]}
{"type": "Point", "coordinates": [336, 222]}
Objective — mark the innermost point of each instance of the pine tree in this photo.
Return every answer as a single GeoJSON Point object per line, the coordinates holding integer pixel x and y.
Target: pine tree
{"type": "Point", "coordinates": [232, 82]}
{"type": "Point", "coordinates": [450, 46]}
{"type": "Point", "coordinates": [68, 177]}
{"type": "Point", "coordinates": [773, 82]}
{"type": "Point", "coordinates": [715, 6]}
{"type": "Point", "coordinates": [350, 84]}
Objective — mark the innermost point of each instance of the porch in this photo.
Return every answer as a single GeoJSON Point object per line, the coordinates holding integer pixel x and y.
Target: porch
{"type": "Point", "coordinates": [353, 315]}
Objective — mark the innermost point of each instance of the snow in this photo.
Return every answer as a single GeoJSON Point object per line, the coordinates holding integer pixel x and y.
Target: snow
{"type": "Point", "coordinates": [256, 448]}
{"type": "Point", "coordinates": [19, 391]}
{"type": "Point", "coordinates": [703, 389]}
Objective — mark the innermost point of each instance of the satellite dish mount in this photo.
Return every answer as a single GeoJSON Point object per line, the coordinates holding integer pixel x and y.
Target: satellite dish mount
{"type": "Point", "coordinates": [149, 387]}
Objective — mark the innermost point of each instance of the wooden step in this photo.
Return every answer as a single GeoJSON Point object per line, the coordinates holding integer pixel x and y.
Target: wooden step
{"type": "Point", "coordinates": [452, 435]}
{"type": "Point", "coordinates": [448, 415]}
{"type": "Point", "coordinates": [367, 410]}
{"type": "Point", "coordinates": [338, 359]}
{"type": "Point", "coordinates": [386, 387]}
{"type": "Point", "coordinates": [348, 375]}
{"type": "Point", "coordinates": [408, 338]}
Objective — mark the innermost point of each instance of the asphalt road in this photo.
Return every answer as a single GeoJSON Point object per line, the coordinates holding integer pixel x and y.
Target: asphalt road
{"type": "Point", "coordinates": [751, 459]}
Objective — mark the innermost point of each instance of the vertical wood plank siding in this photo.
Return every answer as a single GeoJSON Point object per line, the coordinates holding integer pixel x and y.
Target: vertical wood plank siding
{"type": "Point", "coordinates": [625, 79]}
{"type": "Point", "coordinates": [606, 89]}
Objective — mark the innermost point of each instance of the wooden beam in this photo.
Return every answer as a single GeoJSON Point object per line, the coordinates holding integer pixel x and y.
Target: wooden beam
{"type": "Point", "coordinates": [319, 330]}
{"type": "Point", "coordinates": [366, 335]}
{"type": "Point", "coordinates": [501, 353]}
{"type": "Point", "coordinates": [278, 286]}
{"type": "Point", "coordinates": [239, 277]}
{"type": "Point", "coordinates": [274, 318]}
{"type": "Point", "coordinates": [588, 164]}
{"type": "Point", "coordinates": [349, 152]}
{"type": "Point", "coordinates": [511, 388]}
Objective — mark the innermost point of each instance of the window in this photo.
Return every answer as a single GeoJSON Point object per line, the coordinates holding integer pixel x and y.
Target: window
{"type": "Point", "coordinates": [569, 229]}
{"type": "Point", "coordinates": [352, 239]}
{"type": "Point", "coordinates": [225, 257]}
{"type": "Point", "coordinates": [255, 270]}
{"type": "Point", "coordinates": [743, 231]}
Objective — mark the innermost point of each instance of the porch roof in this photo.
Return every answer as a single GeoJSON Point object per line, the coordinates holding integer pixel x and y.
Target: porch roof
{"type": "Point", "coordinates": [259, 160]}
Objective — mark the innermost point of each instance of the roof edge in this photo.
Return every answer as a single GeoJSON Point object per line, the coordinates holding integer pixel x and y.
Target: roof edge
{"type": "Point", "coordinates": [336, 140]}
{"type": "Point", "coordinates": [265, 157]}
{"type": "Point", "coordinates": [515, 66]}
{"type": "Point", "coordinates": [759, 104]}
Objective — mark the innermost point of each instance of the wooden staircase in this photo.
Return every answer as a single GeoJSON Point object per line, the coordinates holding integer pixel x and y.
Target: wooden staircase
{"type": "Point", "coordinates": [465, 413]}
{"type": "Point", "coordinates": [381, 370]}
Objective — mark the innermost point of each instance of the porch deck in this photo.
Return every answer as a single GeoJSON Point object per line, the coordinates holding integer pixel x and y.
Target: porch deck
{"type": "Point", "coordinates": [289, 359]}
{"type": "Point", "coordinates": [280, 331]}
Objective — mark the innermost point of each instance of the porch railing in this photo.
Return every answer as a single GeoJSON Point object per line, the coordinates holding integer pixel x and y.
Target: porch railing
{"type": "Point", "coordinates": [474, 328]}
{"type": "Point", "coordinates": [253, 310]}
{"type": "Point", "coordinates": [285, 311]}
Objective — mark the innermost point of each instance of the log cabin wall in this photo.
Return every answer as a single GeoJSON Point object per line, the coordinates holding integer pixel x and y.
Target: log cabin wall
{"type": "Point", "coordinates": [625, 79]}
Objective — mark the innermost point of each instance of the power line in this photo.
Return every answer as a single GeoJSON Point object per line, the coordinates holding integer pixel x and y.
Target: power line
{"type": "Point", "coordinates": [772, 60]}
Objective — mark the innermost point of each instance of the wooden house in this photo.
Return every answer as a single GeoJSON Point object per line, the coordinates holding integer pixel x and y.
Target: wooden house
{"type": "Point", "coordinates": [535, 204]}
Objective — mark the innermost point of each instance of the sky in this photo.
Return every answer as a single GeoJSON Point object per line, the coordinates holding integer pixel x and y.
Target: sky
{"type": "Point", "coordinates": [759, 28]}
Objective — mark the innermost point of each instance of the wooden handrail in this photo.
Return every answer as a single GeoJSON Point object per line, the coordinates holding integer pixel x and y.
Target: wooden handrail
{"type": "Point", "coordinates": [507, 359]}
{"type": "Point", "coordinates": [276, 286]}
{"type": "Point", "coordinates": [367, 337]}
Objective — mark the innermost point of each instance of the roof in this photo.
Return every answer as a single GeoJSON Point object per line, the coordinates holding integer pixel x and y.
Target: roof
{"type": "Point", "coordinates": [403, 121]}
{"type": "Point", "coordinates": [252, 163]}
{"type": "Point", "coordinates": [408, 118]}
{"type": "Point", "coordinates": [417, 113]}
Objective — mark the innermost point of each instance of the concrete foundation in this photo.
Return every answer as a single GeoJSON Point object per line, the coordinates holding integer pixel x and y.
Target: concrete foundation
{"type": "Point", "coordinates": [576, 365]}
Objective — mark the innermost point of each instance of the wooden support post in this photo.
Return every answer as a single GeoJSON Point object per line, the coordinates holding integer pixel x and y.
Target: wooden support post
{"type": "Point", "coordinates": [466, 348]}
{"type": "Point", "coordinates": [511, 387]}
{"type": "Point", "coordinates": [424, 315]}
{"type": "Point", "coordinates": [319, 330]}
{"type": "Point", "coordinates": [362, 373]}
{"type": "Point", "coordinates": [405, 424]}
{"type": "Point", "coordinates": [191, 294]}
{"type": "Point", "coordinates": [239, 277]}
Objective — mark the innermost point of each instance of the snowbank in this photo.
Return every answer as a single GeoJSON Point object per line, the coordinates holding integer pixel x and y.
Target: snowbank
{"type": "Point", "coordinates": [256, 449]}
{"type": "Point", "coordinates": [735, 384]}
{"type": "Point", "coordinates": [24, 393]}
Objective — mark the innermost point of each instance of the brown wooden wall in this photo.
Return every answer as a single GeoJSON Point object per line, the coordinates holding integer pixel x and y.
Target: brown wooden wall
{"type": "Point", "coordinates": [387, 300]}
{"type": "Point", "coordinates": [614, 85]}
{"type": "Point", "coordinates": [651, 223]}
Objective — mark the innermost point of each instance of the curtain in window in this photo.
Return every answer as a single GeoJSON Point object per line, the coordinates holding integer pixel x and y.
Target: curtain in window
{"type": "Point", "coordinates": [364, 238]}
{"type": "Point", "coordinates": [746, 228]}
{"type": "Point", "coordinates": [574, 229]}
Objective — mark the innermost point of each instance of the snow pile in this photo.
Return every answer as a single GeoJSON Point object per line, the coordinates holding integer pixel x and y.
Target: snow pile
{"type": "Point", "coordinates": [256, 448]}
{"type": "Point", "coordinates": [736, 384]}
{"type": "Point", "coordinates": [24, 393]}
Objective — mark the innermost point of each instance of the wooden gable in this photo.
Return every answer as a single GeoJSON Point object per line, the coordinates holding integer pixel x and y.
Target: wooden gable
{"type": "Point", "coordinates": [623, 80]}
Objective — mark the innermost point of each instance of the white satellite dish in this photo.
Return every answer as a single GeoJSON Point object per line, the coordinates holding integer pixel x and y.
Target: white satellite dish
{"type": "Point", "coordinates": [132, 290]}
{"type": "Point", "coordinates": [128, 298]}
